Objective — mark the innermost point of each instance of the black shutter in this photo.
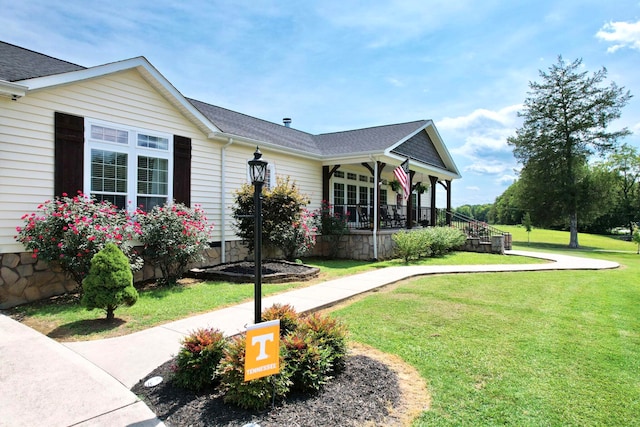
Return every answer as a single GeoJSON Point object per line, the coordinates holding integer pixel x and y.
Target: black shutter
{"type": "Point", "coordinates": [182, 169]}
{"type": "Point", "coordinates": [68, 154]}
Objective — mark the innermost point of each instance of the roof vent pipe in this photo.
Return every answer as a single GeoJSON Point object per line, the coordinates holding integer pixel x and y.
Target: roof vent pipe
{"type": "Point", "coordinates": [287, 122]}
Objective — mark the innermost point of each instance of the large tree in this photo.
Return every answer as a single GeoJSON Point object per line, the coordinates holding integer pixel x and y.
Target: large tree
{"type": "Point", "coordinates": [566, 117]}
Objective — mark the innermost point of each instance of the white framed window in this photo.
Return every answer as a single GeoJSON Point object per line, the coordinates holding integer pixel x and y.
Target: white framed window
{"type": "Point", "coordinates": [127, 166]}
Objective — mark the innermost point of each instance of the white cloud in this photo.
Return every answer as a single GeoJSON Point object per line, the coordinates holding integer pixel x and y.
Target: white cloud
{"type": "Point", "coordinates": [491, 167]}
{"type": "Point", "coordinates": [623, 34]}
{"type": "Point", "coordinates": [505, 116]}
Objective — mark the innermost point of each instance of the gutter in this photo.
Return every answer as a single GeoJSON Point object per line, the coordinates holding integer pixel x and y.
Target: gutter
{"type": "Point", "coordinates": [12, 90]}
{"type": "Point", "coordinates": [223, 210]}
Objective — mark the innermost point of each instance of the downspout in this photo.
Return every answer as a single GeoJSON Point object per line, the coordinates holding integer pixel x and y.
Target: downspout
{"type": "Point", "coordinates": [223, 210]}
{"type": "Point", "coordinates": [376, 181]}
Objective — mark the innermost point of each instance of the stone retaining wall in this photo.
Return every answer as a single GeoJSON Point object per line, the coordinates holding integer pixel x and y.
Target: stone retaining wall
{"type": "Point", "coordinates": [25, 279]}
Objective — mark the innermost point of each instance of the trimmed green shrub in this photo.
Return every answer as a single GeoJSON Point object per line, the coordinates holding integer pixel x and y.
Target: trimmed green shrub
{"type": "Point", "coordinates": [255, 394]}
{"type": "Point", "coordinates": [198, 359]}
{"type": "Point", "coordinates": [109, 283]}
{"type": "Point", "coordinates": [287, 315]}
{"type": "Point", "coordinates": [411, 244]}
{"type": "Point", "coordinates": [327, 332]}
{"type": "Point", "coordinates": [308, 361]}
{"type": "Point", "coordinates": [444, 239]}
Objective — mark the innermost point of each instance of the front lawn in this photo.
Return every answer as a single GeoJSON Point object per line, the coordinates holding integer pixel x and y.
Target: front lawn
{"type": "Point", "coordinates": [556, 348]}
{"type": "Point", "coordinates": [65, 320]}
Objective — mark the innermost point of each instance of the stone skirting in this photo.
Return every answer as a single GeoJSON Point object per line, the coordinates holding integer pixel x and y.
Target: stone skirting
{"type": "Point", "coordinates": [24, 279]}
{"type": "Point", "coordinates": [359, 245]}
{"type": "Point", "coordinates": [356, 245]}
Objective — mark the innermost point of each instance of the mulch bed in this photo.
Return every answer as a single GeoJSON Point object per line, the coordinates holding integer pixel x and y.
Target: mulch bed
{"type": "Point", "coordinates": [273, 271]}
{"type": "Point", "coordinates": [363, 394]}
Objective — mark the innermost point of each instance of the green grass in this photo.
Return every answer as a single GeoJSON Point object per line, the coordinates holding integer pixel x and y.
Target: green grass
{"type": "Point", "coordinates": [65, 320]}
{"type": "Point", "coordinates": [556, 348]}
{"type": "Point", "coordinates": [557, 240]}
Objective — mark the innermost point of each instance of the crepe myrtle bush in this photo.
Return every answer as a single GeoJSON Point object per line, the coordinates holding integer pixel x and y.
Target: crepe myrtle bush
{"type": "Point", "coordinates": [173, 236]}
{"type": "Point", "coordinates": [282, 211]}
{"type": "Point", "coordinates": [109, 283]}
{"type": "Point", "coordinates": [298, 238]}
{"type": "Point", "coordinates": [69, 231]}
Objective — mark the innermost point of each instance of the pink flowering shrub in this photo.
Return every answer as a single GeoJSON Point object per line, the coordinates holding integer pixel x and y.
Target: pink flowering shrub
{"type": "Point", "coordinates": [174, 236]}
{"type": "Point", "coordinates": [297, 238]}
{"type": "Point", "coordinates": [69, 231]}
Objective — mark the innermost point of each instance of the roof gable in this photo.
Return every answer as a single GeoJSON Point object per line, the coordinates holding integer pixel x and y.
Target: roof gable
{"type": "Point", "coordinates": [420, 147]}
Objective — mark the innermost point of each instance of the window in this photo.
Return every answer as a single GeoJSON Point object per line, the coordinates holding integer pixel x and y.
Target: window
{"type": "Point", "coordinates": [364, 196]}
{"type": "Point", "coordinates": [351, 195]}
{"type": "Point", "coordinates": [339, 174]}
{"type": "Point", "coordinates": [352, 176]}
{"type": "Point", "coordinates": [383, 196]}
{"type": "Point", "coordinates": [128, 165]}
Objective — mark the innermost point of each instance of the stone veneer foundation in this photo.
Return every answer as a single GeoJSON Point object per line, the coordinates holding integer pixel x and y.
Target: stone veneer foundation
{"type": "Point", "coordinates": [359, 245]}
{"type": "Point", "coordinates": [25, 279]}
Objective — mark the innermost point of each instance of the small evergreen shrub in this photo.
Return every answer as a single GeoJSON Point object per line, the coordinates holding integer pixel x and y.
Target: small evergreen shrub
{"type": "Point", "coordinates": [287, 315]}
{"type": "Point", "coordinates": [255, 394]}
{"type": "Point", "coordinates": [198, 359]}
{"type": "Point", "coordinates": [109, 283]}
{"type": "Point", "coordinates": [308, 361]}
{"type": "Point", "coordinates": [327, 332]}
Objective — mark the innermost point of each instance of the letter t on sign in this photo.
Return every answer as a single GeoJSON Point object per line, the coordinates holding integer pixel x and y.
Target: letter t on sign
{"type": "Point", "coordinates": [262, 355]}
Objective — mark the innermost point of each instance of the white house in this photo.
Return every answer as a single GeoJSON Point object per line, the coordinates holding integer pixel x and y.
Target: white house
{"type": "Point", "coordinates": [57, 118]}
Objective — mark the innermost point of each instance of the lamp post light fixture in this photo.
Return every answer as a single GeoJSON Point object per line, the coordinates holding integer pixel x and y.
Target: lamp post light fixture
{"type": "Point", "coordinates": [258, 172]}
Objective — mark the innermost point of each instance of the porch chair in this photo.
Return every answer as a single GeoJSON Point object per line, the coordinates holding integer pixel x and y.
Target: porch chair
{"type": "Point", "coordinates": [363, 218]}
{"type": "Point", "coordinates": [398, 218]}
{"type": "Point", "coordinates": [385, 218]}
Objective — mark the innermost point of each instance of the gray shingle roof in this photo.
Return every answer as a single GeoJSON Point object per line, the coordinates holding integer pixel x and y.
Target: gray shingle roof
{"type": "Point", "coordinates": [261, 130]}
{"type": "Point", "coordinates": [17, 63]}
{"type": "Point", "coordinates": [373, 139]}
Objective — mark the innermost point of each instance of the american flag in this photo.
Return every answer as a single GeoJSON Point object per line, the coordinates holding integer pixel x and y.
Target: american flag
{"type": "Point", "coordinates": [402, 175]}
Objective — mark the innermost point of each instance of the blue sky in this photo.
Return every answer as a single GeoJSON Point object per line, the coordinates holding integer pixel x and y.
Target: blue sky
{"type": "Point", "coordinates": [338, 65]}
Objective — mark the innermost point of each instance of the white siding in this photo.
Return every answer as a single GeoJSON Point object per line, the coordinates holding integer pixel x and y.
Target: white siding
{"type": "Point", "coordinates": [27, 148]}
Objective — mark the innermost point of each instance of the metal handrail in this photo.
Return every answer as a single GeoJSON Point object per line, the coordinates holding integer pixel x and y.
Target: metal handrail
{"type": "Point", "coordinates": [474, 228]}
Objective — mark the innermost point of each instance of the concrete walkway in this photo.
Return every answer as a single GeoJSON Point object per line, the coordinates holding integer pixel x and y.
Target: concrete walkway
{"type": "Point", "coordinates": [43, 382]}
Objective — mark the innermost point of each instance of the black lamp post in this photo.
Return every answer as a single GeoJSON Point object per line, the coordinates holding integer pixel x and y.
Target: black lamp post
{"type": "Point", "coordinates": [258, 172]}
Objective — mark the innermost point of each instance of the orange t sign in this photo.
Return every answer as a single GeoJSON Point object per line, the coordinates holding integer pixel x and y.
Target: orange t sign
{"type": "Point", "coordinates": [262, 356]}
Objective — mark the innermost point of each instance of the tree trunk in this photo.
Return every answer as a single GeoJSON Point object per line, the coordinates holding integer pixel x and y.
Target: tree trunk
{"type": "Point", "coordinates": [110, 313]}
{"type": "Point", "coordinates": [573, 230]}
